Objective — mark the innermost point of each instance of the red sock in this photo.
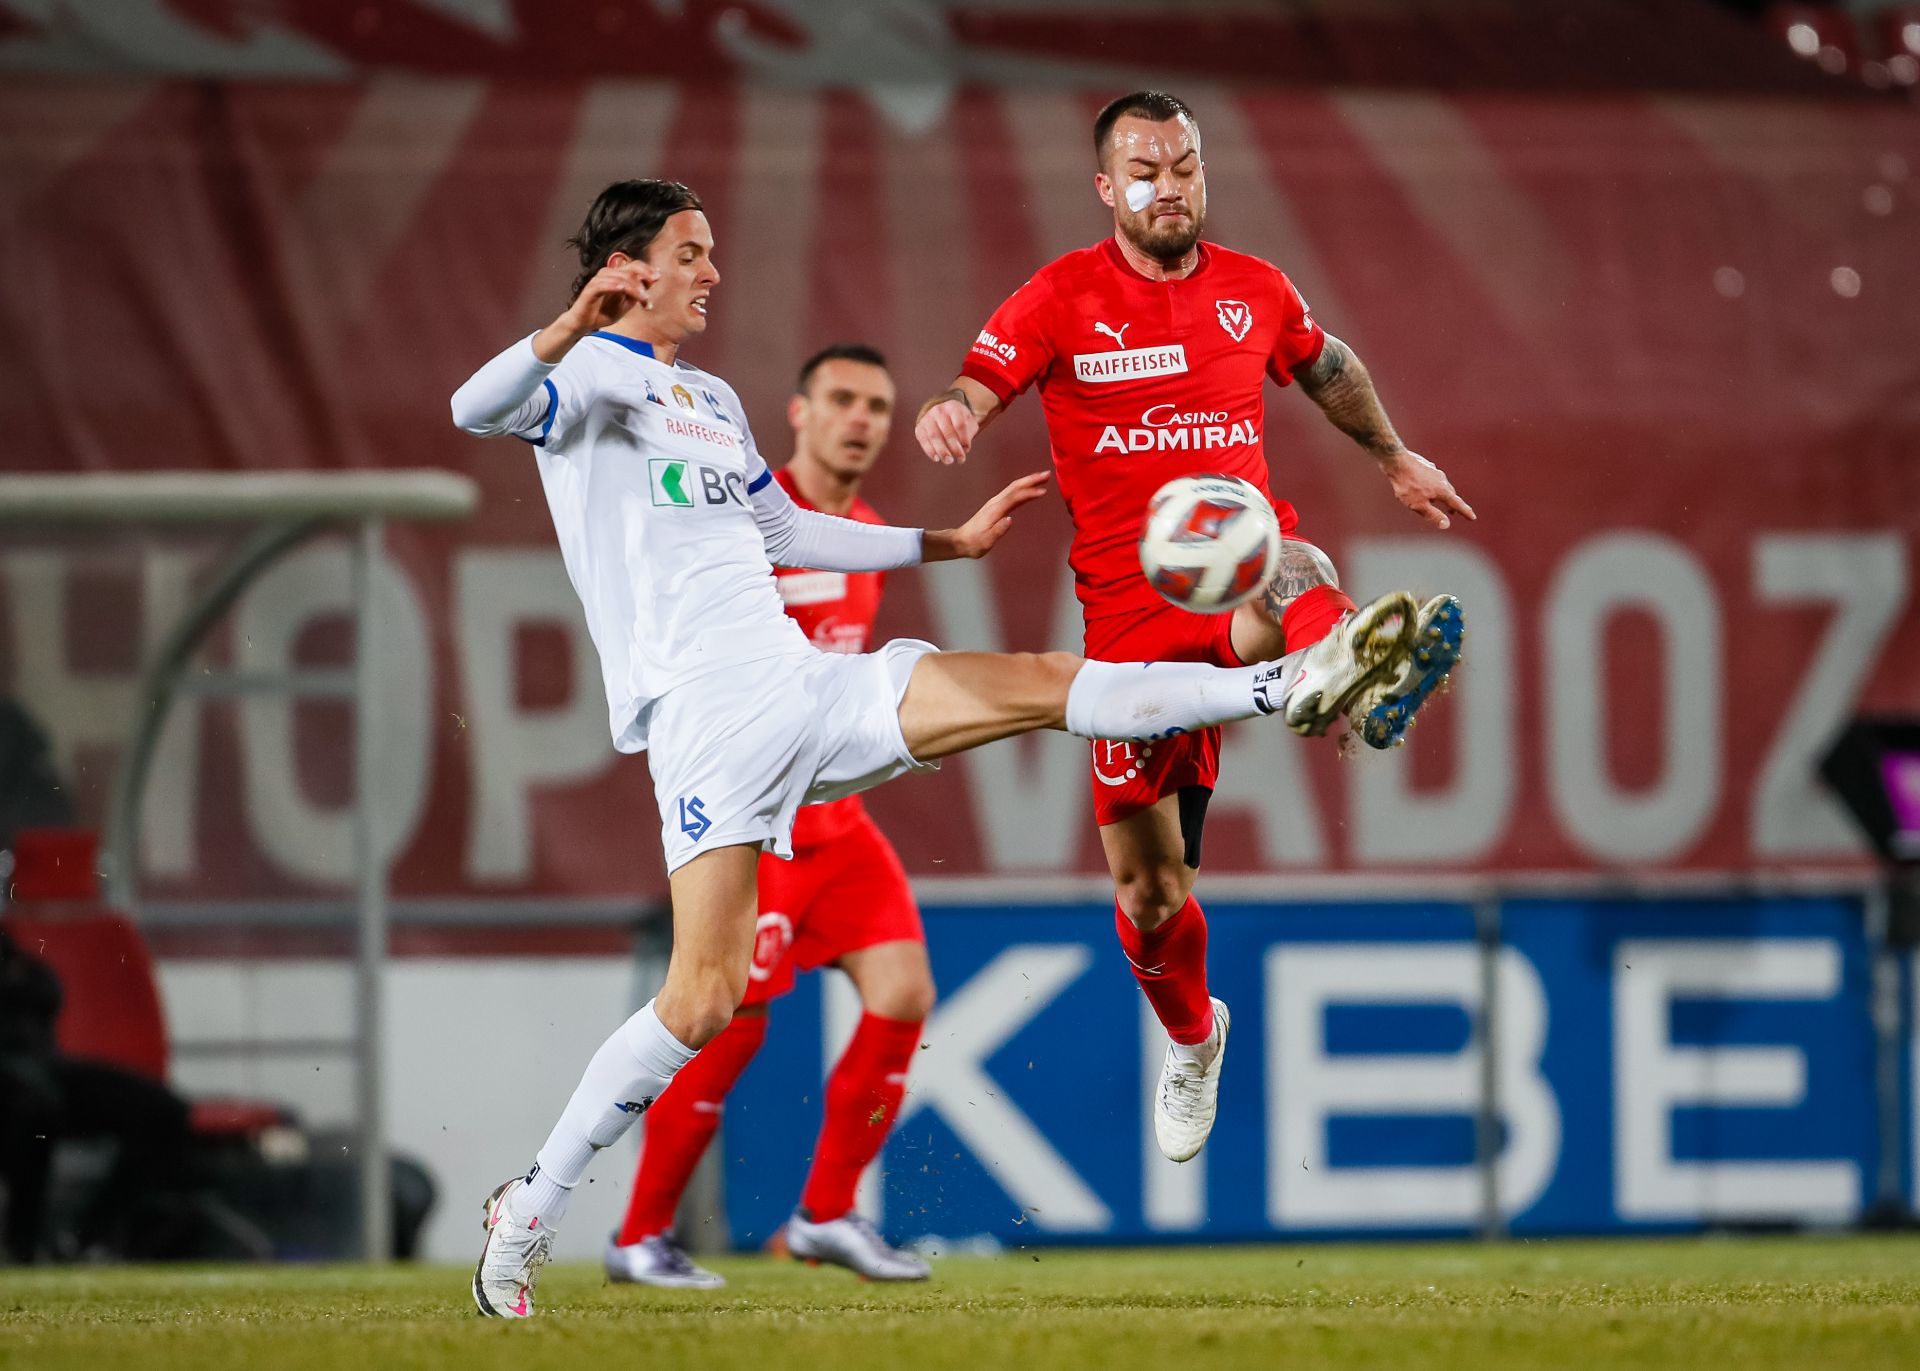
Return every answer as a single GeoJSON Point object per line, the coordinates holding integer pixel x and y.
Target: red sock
{"type": "Point", "coordinates": [1170, 962]}
{"type": "Point", "coordinates": [863, 1100]}
{"type": "Point", "coordinates": [682, 1122]}
{"type": "Point", "coordinates": [1312, 616]}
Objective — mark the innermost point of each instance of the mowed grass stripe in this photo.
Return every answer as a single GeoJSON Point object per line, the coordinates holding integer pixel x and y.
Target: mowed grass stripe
{"type": "Point", "coordinates": [1762, 1303]}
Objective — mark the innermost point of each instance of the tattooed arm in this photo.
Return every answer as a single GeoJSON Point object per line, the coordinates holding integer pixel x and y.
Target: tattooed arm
{"type": "Point", "coordinates": [1339, 383]}
{"type": "Point", "coordinates": [948, 423]}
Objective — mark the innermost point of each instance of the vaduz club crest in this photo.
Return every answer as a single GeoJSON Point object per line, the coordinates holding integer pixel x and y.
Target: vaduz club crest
{"type": "Point", "coordinates": [1234, 317]}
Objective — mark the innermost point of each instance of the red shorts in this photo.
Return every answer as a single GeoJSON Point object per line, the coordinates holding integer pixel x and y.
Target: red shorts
{"type": "Point", "coordinates": [846, 893]}
{"type": "Point", "coordinates": [1130, 777]}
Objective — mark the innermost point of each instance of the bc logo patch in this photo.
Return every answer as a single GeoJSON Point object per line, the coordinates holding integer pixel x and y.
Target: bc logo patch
{"type": "Point", "coordinates": [667, 479]}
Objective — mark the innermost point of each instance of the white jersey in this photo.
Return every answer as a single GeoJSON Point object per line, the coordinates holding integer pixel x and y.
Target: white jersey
{"type": "Point", "coordinates": [666, 516]}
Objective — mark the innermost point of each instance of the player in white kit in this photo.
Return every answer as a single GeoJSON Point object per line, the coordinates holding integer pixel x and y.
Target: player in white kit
{"type": "Point", "coordinates": [670, 524]}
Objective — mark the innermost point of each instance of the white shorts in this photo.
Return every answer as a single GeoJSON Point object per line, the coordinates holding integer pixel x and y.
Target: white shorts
{"type": "Point", "coordinates": [734, 755]}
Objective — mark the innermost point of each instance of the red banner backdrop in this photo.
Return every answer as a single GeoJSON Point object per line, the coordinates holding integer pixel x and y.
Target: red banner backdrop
{"type": "Point", "coordinates": [1667, 347]}
{"type": "Point", "coordinates": [1570, 45]}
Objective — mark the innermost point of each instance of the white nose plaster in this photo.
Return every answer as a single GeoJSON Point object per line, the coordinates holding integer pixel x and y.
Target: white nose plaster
{"type": "Point", "coordinates": [1139, 195]}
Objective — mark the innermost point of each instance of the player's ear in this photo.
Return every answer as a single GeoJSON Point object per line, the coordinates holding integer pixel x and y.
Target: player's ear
{"type": "Point", "coordinates": [1103, 187]}
{"type": "Point", "coordinates": [796, 410]}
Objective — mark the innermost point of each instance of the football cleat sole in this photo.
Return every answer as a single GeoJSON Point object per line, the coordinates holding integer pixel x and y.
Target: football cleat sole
{"type": "Point", "coordinates": [1436, 652]}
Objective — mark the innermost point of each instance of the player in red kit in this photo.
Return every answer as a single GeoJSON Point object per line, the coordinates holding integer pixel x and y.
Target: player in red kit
{"type": "Point", "coordinates": [1151, 351]}
{"type": "Point", "coordinates": [842, 901]}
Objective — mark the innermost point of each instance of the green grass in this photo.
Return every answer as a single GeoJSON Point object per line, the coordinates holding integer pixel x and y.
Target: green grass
{"type": "Point", "coordinates": [1718, 1304]}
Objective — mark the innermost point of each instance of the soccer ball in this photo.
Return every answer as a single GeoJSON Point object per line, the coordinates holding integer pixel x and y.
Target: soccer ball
{"type": "Point", "coordinates": [1211, 542]}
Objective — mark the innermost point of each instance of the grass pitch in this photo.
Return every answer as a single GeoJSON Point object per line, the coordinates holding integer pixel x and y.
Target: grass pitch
{"type": "Point", "coordinates": [1786, 1303]}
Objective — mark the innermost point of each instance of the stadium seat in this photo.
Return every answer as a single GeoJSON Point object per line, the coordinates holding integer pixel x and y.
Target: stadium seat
{"type": "Point", "coordinates": [268, 1192]}
{"type": "Point", "coordinates": [111, 1010]}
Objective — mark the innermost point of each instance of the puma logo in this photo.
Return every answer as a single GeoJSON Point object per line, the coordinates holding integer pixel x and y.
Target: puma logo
{"type": "Point", "coordinates": [1119, 338]}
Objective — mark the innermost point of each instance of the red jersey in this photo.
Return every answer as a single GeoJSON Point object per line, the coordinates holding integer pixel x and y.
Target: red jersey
{"type": "Point", "coordinates": [1142, 381]}
{"type": "Point", "coordinates": [835, 609]}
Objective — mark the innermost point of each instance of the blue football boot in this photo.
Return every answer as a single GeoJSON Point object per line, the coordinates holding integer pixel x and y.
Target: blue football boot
{"type": "Point", "coordinates": [1388, 710]}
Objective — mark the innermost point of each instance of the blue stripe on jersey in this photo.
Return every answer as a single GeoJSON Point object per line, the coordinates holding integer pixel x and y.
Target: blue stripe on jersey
{"type": "Point", "coordinates": [553, 411]}
{"type": "Point", "coordinates": [630, 344]}
{"type": "Point", "coordinates": [546, 424]}
{"type": "Point", "coordinates": [757, 483]}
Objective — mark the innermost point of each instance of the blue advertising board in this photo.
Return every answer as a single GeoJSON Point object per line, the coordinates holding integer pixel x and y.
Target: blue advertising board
{"type": "Point", "coordinates": [1658, 1065]}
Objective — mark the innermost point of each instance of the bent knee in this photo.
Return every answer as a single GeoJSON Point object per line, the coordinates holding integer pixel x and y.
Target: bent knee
{"type": "Point", "coordinates": [697, 1010]}
{"type": "Point", "coordinates": [909, 999]}
{"type": "Point", "coordinates": [709, 1018]}
{"type": "Point", "coordinates": [1302, 568]}
{"type": "Point", "coordinates": [1149, 896]}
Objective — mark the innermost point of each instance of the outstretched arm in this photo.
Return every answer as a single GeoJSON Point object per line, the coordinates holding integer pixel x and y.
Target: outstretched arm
{"type": "Point", "coordinates": [951, 420]}
{"type": "Point", "coordinates": [798, 537]}
{"type": "Point", "coordinates": [1338, 382]}
{"type": "Point", "coordinates": [978, 536]}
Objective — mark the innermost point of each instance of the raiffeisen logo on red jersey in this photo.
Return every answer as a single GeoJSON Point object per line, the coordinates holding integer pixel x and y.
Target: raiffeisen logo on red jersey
{"type": "Point", "coordinates": [1168, 428]}
{"type": "Point", "coordinates": [1129, 364]}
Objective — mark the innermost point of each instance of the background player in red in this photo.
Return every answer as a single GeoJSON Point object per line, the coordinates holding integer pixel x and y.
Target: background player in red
{"type": "Point", "coordinates": [842, 901]}
{"type": "Point", "coordinates": [1150, 350]}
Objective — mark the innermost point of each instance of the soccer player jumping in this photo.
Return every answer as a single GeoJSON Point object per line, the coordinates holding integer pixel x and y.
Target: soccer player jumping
{"type": "Point", "coordinates": [1150, 351]}
{"type": "Point", "coordinates": [670, 525]}
{"type": "Point", "coordinates": [842, 901]}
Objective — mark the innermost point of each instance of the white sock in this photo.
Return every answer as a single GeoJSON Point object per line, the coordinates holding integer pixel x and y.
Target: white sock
{"type": "Point", "coordinates": [1157, 699]}
{"type": "Point", "coordinates": [628, 1073]}
{"type": "Point", "coordinates": [1199, 1053]}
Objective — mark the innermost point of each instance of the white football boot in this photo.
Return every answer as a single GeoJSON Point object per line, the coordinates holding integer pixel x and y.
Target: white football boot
{"type": "Point", "coordinates": [510, 1262]}
{"type": "Point", "coordinates": [1189, 1094]}
{"type": "Point", "coordinates": [851, 1241]}
{"type": "Point", "coordinates": [1366, 647]}
{"type": "Point", "coordinates": [660, 1261]}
